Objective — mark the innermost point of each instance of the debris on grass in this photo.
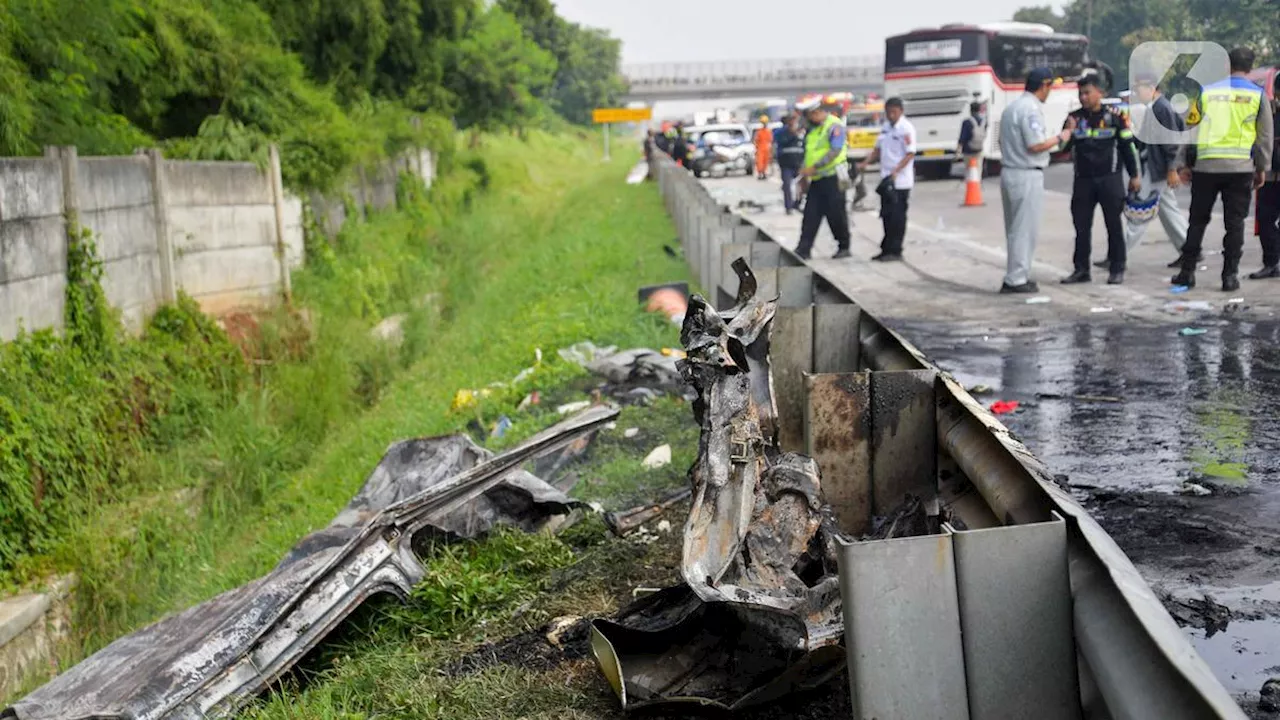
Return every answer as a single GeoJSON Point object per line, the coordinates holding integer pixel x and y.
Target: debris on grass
{"type": "Point", "coordinates": [659, 458]}
{"type": "Point", "coordinates": [758, 614]}
{"type": "Point", "coordinates": [622, 523]}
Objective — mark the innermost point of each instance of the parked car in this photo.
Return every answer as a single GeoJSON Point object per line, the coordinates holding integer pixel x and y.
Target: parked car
{"type": "Point", "coordinates": [720, 149]}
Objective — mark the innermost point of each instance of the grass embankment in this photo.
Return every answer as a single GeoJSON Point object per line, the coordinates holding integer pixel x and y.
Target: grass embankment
{"type": "Point", "coordinates": [528, 245]}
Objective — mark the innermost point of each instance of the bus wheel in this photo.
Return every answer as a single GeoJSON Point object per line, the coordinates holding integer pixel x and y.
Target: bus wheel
{"type": "Point", "coordinates": [934, 170]}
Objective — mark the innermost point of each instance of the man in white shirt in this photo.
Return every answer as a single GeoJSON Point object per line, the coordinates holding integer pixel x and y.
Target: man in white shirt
{"type": "Point", "coordinates": [896, 151]}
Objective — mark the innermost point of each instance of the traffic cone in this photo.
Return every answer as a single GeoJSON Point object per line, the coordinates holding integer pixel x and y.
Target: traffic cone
{"type": "Point", "coordinates": [973, 184]}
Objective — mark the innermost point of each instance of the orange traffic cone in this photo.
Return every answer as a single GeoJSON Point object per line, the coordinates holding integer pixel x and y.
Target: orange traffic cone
{"type": "Point", "coordinates": [973, 184]}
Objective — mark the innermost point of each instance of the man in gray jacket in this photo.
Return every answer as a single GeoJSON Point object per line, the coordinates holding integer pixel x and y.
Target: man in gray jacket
{"type": "Point", "coordinates": [1269, 202]}
{"type": "Point", "coordinates": [1159, 170]}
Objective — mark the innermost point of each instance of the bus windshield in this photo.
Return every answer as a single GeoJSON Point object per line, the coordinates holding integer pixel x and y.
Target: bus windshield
{"type": "Point", "coordinates": [1011, 56]}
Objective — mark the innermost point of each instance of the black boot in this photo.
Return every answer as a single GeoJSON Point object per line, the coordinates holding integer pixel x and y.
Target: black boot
{"type": "Point", "coordinates": [1079, 276]}
{"type": "Point", "coordinates": [1184, 278]}
{"type": "Point", "coordinates": [1267, 272]}
{"type": "Point", "coordinates": [1103, 263]}
{"type": "Point", "coordinates": [1178, 263]}
{"type": "Point", "coordinates": [1230, 283]}
{"type": "Point", "coordinates": [1116, 277]}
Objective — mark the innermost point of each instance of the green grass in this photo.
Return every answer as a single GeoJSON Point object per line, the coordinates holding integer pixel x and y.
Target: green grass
{"type": "Point", "coordinates": [546, 248]}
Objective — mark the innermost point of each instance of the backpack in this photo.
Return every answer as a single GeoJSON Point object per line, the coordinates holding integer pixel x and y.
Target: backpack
{"type": "Point", "coordinates": [979, 136]}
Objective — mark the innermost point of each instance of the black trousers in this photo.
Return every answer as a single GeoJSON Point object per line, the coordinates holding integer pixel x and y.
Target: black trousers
{"type": "Point", "coordinates": [1087, 194]}
{"type": "Point", "coordinates": [788, 198]}
{"type": "Point", "coordinates": [824, 200]}
{"type": "Point", "coordinates": [1236, 190]}
{"type": "Point", "coordinates": [893, 213]}
{"type": "Point", "coordinates": [1269, 222]}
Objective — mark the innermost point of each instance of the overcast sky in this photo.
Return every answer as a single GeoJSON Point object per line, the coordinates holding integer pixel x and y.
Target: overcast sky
{"type": "Point", "coordinates": [706, 30]}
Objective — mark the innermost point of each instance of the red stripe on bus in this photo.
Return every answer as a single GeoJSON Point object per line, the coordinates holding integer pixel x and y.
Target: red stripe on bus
{"type": "Point", "coordinates": [977, 70]}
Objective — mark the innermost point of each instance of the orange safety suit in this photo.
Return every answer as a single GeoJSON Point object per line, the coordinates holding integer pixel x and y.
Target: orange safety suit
{"type": "Point", "coordinates": [764, 148]}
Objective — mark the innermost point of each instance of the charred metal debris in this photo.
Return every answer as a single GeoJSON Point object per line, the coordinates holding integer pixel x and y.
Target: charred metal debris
{"type": "Point", "coordinates": [211, 659]}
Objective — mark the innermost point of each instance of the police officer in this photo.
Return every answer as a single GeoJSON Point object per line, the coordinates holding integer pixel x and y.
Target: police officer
{"type": "Point", "coordinates": [1024, 150]}
{"type": "Point", "coordinates": [680, 146]}
{"type": "Point", "coordinates": [1234, 139]}
{"type": "Point", "coordinates": [1100, 143]}
{"type": "Point", "coordinates": [824, 154]}
{"type": "Point", "coordinates": [1269, 202]}
{"type": "Point", "coordinates": [790, 144]}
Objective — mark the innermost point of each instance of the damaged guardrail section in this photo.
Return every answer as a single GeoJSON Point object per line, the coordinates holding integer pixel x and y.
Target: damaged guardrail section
{"type": "Point", "coordinates": [1015, 541]}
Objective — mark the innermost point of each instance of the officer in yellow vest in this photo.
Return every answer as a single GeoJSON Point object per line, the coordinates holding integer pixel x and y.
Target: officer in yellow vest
{"type": "Point", "coordinates": [1232, 153]}
{"type": "Point", "coordinates": [825, 159]}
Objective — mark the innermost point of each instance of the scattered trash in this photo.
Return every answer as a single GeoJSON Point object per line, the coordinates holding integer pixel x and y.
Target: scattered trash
{"type": "Point", "coordinates": [640, 396]}
{"type": "Point", "coordinates": [759, 613]}
{"type": "Point", "coordinates": [659, 458]}
{"type": "Point", "coordinates": [638, 173]}
{"type": "Point", "coordinates": [1004, 407]}
{"type": "Point", "coordinates": [673, 353]}
{"type": "Point", "coordinates": [1039, 300]}
{"type": "Point", "coordinates": [1190, 488]}
{"type": "Point", "coordinates": [670, 251]}
{"type": "Point", "coordinates": [1203, 268]}
{"type": "Point", "coordinates": [254, 634]}
{"type": "Point", "coordinates": [630, 432]}
{"type": "Point", "coordinates": [467, 399]}
{"type": "Point", "coordinates": [529, 401]}
{"type": "Point", "coordinates": [1178, 289]}
{"type": "Point", "coordinates": [501, 427]}
{"type": "Point", "coordinates": [390, 330]}
{"type": "Point", "coordinates": [1029, 323]}
{"type": "Point", "coordinates": [980, 390]}
{"type": "Point", "coordinates": [1269, 695]}
{"type": "Point", "coordinates": [1191, 331]}
{"type": "Point", "coordinates": [1098, 310]}
{"type": "Point", "coordinates": [1235, 301]}
{"type": "Point", "coordinates": [1204, 614]}
{"type": "Point", "coordinates": [664, 526]}
{"type": "Point", "coordinates": [671, 300]}
{"type": "Point", "coordinates": [1177, 306]}
{"type": "Point", "coordinates": [573, 407]}
{"type": "Point", "coordinates": [586, 352]}
{"type": "Point", "coordinates": [622, 523]}
{"type": "Point", "coordinates": [750, 206]}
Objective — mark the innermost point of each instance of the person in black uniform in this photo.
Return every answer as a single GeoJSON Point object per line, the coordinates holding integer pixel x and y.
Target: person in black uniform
{"type": "Point", "coordinates": [1269, 202]}
{"type": "Point", "coordinates": [1100, 143]}
{"type": "Point", "coordinates": [680, 146]}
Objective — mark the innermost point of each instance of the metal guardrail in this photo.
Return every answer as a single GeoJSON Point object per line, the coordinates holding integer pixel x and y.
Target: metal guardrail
{"type": "Point", "coordinates": [1134, 661]}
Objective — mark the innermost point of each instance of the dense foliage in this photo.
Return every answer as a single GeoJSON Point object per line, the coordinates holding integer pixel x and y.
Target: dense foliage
{"type": "Point", "coordinates": [334, 82]}
{"type": "Point", "coordinates": [1116, 27]}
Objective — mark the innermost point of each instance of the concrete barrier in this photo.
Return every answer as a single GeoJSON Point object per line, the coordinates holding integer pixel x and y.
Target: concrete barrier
{"type": "Point", "coordinates": [225, 233]}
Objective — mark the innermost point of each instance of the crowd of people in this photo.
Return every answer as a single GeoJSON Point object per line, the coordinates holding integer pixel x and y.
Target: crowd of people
{"type": "Point", "coordinates": [1233, 152]}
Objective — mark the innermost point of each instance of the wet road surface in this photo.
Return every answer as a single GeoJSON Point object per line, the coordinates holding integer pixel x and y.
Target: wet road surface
{"type": "Point", "coordinates": [1135, 416]}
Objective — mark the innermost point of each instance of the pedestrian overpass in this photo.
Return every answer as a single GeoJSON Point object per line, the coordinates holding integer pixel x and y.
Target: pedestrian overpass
{"type": "Point", "coordinates": [656, 82]}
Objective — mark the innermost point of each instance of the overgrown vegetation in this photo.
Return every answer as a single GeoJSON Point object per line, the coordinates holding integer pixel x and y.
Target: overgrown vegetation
{"type": "Point", "coordinates": [527, 244]}
{"type": "Point", "coordinates": [334, 82]}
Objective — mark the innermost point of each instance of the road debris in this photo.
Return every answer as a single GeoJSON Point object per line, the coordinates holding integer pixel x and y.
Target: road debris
{"type": "Point", "coordinates": [671, 300]}
{"type": "Point", "coordinates": [623, 522]}
{"type": "Point", "coordinates": [1179, 289]}
{"type": "Point", "coordinates": [1004, 407]}
{"type": "Point", "coordinates": [659, 458]}
{"type": "Point", "coordinates": [1181, 306]}
{"type": "Point", "coordinates": [573, 407]}
{"type": "Point", "coordinates": [1099, 310]}
{"type": "Point", "coordinates": [1269, 696]}
{"type": "Point", "coordinates": [1235, 301]}
{"type": "Point", "coordinates": [1039, 300]}
{"type": "Point", "coordinates": [1203, 613]}
{"type": "Point", "coordinates": [208, 661]}
{"type": "Point", "coordinates": [981, 390]}
{"type": "Point", "coordinates": [1190, 488]}
{"type": "Point", "coordinates": [501, 427]}
{"type": "Point", "coordinates": [1080, 398]}
{"type": "Point", "coordinates": [630, 433]}
{"type": "Point", "coordinates": [1192, 331]}
{"type": "Point", "coordinates": [758, 615]}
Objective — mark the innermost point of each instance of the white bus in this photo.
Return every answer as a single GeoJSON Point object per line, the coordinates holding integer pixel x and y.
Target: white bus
{"type": "Point", "coordinates": [939, 72]}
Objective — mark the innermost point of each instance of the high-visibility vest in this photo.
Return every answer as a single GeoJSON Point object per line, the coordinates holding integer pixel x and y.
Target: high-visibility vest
{"type": "Point", "coordinates": [1228, 120]}
{"type": "Point", "coordinates": [817, 143]}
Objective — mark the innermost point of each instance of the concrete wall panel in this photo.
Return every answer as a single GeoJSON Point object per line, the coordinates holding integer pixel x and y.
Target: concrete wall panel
{"type": "Point", "coordinates": [204, 184]}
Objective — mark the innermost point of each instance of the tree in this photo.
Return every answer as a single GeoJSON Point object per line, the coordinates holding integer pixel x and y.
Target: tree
{"type": "Point", "coordinates": [497, 72]}
{"type": "Point", "coordinates": [1044, 14]}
